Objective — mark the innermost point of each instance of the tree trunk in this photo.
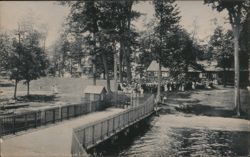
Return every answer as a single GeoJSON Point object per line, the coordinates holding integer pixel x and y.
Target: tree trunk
{"type": "Point", "coordinates": [94, 73]}
{"type": "Point", "coordinates": [249, 68]}
{"type": "Point", "coordinates": [128, 69]}
{"type": "Point", "coordinates": [186, 70]}
{"type": "Point", "coordinates": [15, 90]}
{"type": "Point", "coordinates": [115, 70]}
{"type": "Point", "coordinates": [120, 61]}
{"type": "Point", "coordinates": [159, 83]}
{"type": "Point", "coordinates": [236, 70]}
{"type": "Point", "coordinates": [224, 77]}
{"type": "Point", "coordinates": [104, 60]}
{"type": "Point", "coordinates": [94, 57]}
{"type": "Point", "coordinates": [128, 52]}
{"type": "Point", "coordinates": [28, 88]}
{"type": "Point", "coordinates": [104, 75]}
{"type": "Point", "coordinates": [70, 67]}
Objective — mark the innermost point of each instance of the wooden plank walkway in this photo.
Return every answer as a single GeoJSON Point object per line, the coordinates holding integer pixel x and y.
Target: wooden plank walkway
{"type": "Point", "coordinates": [49, 141]}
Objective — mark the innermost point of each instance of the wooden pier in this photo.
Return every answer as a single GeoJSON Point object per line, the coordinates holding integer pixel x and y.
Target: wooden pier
{"type": "Point", "coordinates": [88, 136]}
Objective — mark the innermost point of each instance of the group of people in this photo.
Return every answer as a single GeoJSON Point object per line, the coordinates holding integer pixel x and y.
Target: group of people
{"type": "Point", "coordinates": [167, 86]}
{"type": "Point", "coordinates": [131, 88]}
{"type": "Point", "coordinates": [170, 86]}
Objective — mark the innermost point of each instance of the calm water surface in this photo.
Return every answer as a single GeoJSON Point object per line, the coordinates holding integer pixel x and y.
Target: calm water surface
{"type": "Point", "coordinates": [174, 136]}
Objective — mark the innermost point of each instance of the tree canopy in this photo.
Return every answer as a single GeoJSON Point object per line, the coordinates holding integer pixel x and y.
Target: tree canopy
{"type": "Point", "coordinates": [28, 60]}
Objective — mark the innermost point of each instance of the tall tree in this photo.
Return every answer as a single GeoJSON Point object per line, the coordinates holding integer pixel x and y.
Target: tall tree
{"type": "Point", "coordinates": [126, 15]}
{"type": "Point", "coordinates": [28, 60]}
{"type": "Point", "coordinates": [245, 44]}
{"type": "Point", "coordinates": [185, 55]}
{"type": "Point", "coordinates": [61, 54]}
{"type": "Point", "coordinates": [83, 20]}
{"type": "Point", "coordinates": [237, 12]}
{"type": "Point", "coordinates": [91, 19]}
{"type": "Point", "coordinates": [35, 60]}
{"type": "Point", "coordinates": [222, 50]}
{"type": "Point", "coordinates": [167, 15]}
{"type": "Point", "coordinates": [100, 23]}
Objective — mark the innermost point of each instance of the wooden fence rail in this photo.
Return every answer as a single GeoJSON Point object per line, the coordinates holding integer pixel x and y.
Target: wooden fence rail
{"type": "Point", "coordinates": [87, 136]}
{"type": "Point", "coordinates": [19, 122]}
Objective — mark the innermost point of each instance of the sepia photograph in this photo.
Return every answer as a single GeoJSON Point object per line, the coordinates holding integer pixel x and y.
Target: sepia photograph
{"type": "Point", "coordinates": [132, 78]}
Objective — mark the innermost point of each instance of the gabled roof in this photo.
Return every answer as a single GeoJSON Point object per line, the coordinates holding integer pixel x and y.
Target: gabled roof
{"type": "Point", "coordinates": [154, 66]}
{"type": "Point", "coordinates": [94, 89]}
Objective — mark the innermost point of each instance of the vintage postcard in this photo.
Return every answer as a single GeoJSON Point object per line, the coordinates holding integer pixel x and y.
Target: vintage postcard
{"type": "Point", "coordinates": [153, 78]}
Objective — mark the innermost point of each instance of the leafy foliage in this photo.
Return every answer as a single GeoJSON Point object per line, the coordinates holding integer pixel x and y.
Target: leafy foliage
{"type": "Point", "coordinates": [5, 49]}
{"type": "Point", "coordinates": [222, 47]}
{"type": "Point", "coordinates": [28, 60]}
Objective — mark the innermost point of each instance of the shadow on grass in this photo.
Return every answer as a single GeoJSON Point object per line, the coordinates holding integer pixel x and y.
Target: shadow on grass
{"type": "Point", "coordinates": [206, 110]}
{"type": "Point", "coordinates": [184, 95]}
{"type": "Point", "coordinates": [6, 84]}
{"type": "Point", "coordinates": [37, 98]}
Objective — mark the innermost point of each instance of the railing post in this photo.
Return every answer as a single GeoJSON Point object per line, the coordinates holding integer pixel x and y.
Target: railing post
{"type": "Point", "coordinates": [113, 124]}
{"type": "Point", "coordinates": [67, 112]}
{"type": "Point", "coordinates": [13, 124]}
{"type": "Point", "coordinates": [123, 117]}
{"type": "Point", "coordinates": [74, 113]}
{"type": "Point", "coordinates": [54, 115]}
{"type": "Point", "coordinates": [35, 119]}
{"type": "Point", "coordinates": [119, 121]}
{"type": "Point", "coordinates": [45, 117]}
{"type": "Point", "coordinates": [101, 130]}
{"type": "Point", "coordinates": [93, 134]}
{"type": "Point", "coordinates": [128, 117]}
{"type": "Point", "coordinates": [108, 128]}
{"type": "Point", "coordinates": [26, 123]}
{"type": "Point", "coordinates": [84, 137]}
{"type": "Point", "coordinates": [1, 127]}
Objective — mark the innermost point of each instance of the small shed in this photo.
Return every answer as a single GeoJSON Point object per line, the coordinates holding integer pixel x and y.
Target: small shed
{"type": "Point", "coordinates": [95, 93]}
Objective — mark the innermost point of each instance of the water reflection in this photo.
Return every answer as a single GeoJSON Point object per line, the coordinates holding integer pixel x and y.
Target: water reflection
{"type": "Point", "coordinates": [200, 142]}
{"type": "Point", "coordinates": [161, 139]}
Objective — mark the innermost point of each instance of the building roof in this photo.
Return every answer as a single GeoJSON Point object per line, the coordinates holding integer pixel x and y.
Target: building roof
{"type": "Point", "coordinates": [210, 65]}
{"type": "Point", "coordinates": [154, 66]}
{"type": "Point", "coordinates": [94, 89]}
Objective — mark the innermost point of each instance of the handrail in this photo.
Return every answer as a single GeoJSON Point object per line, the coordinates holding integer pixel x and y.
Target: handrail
{"type": "Point", "coordinates": [77, 145]}
{"type": "Point", "coordinates": [91, 134]}
{"type": "Point", "coordinates": [109, 117]}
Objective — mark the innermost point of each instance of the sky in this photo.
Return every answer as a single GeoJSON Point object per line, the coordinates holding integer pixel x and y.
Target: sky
{"type": "Point", "coordinates": [53, 15]}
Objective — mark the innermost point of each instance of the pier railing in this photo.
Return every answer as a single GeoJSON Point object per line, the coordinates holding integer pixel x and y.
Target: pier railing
{"type": "Point", "coordinates": [87, 136]}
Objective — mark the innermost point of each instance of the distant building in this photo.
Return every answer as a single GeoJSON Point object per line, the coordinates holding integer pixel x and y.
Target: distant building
{"type": "Point", "coordinates": [214, 72]}
{"type": "Point", "coordinates": [211, 72]}
{"type": "Point", "coordinates": [95, 93]}
{"type": "Point", "coordinates": [152, 71]}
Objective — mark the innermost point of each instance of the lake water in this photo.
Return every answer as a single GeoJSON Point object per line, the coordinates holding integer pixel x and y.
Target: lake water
{"type": "Point", "coordinates": [182, 135]}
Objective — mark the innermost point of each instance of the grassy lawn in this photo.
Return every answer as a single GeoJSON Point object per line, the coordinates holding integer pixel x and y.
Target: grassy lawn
{"type": "Point", "coordinates": [69, 90]}
{"type": "Point", "coordinates": [214, 102]}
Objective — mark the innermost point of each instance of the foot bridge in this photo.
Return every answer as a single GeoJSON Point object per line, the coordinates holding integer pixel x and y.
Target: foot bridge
{"type": "Point", "coordinates": [88, 136]}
